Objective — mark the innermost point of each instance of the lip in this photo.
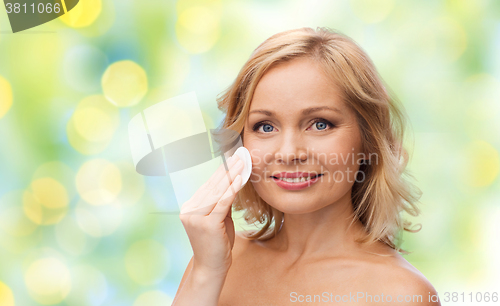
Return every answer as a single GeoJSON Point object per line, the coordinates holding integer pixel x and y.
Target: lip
{"type": "Point", "coordinates": [295, 174]}
{"type": "Point", "coordinates": [296, 186]}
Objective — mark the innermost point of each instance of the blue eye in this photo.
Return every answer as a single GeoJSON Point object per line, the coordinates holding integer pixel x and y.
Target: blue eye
{"type": "Point", "coordinates": [321, 125]}
{"type": "Point", "coordinates": [267, 127]}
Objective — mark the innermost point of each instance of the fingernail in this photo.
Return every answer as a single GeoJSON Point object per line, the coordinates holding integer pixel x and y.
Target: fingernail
{"type": "Point", "coordinates": [233, 159]}
{"type": "Point", "coordinates": [230, 161]}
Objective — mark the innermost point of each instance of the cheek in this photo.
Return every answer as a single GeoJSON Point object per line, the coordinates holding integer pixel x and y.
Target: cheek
{"type": "Point", "coordinates": [258, 166]}
{"type": "Point", "coordinates": [259, 151]}
{"type": "Point", "coordinates": [338, 159]}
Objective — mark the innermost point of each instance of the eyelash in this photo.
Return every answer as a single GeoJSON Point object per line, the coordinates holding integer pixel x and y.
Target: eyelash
{"type": "Point", "coordinates": [259, 124]}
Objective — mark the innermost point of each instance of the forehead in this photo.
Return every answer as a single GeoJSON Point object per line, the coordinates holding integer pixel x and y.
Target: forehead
{"type": "Point", "coordinates": [294, 85]}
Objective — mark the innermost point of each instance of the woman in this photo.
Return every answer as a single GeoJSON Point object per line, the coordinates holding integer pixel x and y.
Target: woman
{"type": "Point", "coordinates": [307, 103]}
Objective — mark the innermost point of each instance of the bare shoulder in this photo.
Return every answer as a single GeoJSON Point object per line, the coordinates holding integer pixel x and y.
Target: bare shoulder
{"type": "Point", "coordinates": [401, 280]}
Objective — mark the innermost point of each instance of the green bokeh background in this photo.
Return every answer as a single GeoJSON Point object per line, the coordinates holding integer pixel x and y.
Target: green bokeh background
{"type": "Point", "coordinates": [441, 58]}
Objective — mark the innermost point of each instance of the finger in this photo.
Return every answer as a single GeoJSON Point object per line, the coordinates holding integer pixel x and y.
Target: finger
{"type": "Point", "coordinates": [203, 210]}
{"type": "Point", "coordinates": [217, 193]}
{"type": "Point", "coordinates": [199, 199]}
{"type": "Point", "coordinates": [220, 173]}
{"type": "Point", "coordinates": [224, 205]}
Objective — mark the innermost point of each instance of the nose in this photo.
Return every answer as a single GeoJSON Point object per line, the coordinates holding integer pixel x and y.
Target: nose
{"type": "Point", "coordinates": [290, 150]}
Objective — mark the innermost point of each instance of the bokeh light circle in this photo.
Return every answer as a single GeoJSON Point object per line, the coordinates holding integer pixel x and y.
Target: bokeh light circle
{"type": "Point", "coordinates": [98, 182]}
{"type": "Point", "coordinates": [124, 83]}
{"type": "Point", "coordinates": [82, 145]}
{"type": "Point", "coordinates": [50, 193]}
{"type": "Point", "coordinates": [93, 124]}
{"type": "Point", "coordinates": [48, 281]}
{"type": "Point", "coordinates": [103, 23]}
{"type": "Point", "coordinates": [6, 296]}
{"type": "Point", "coordinates": [83, 14]}
{"type": "Point", "coordinates": [147, 262]}
{"type": "Point", "coordinates": [5, 96]}
{"type": "Point", "coordinates": [46, 201]}
{"type": "Point", "coordinates": [60, 172]}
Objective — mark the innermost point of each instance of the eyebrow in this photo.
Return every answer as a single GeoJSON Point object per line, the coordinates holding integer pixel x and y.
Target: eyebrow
{"type": "Point", "coordinates": [306, 111]}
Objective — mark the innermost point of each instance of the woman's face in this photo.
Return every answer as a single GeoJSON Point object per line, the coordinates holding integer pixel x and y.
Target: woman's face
{"type": "Point", "coordinates": [298, 123]}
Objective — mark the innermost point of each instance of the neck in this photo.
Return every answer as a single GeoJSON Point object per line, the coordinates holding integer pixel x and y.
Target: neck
{"type": "Point", "coordinates": [325, 231]}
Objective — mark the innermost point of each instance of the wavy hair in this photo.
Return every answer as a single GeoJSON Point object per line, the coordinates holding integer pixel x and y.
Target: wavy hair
{"type": "Point", "coordinates": [379, 199]}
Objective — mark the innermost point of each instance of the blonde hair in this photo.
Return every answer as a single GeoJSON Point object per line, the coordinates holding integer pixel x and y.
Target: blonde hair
{"type": "Point", "coordinates": [379, 199]}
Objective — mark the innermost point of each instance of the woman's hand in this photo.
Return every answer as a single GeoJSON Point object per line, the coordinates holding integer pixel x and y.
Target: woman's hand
{"type": "Point", "coordinates": [207, 220]}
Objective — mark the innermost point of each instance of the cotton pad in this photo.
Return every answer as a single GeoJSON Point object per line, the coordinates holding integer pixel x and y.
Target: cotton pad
{"type": "Point", "coordinates": [244, 156]}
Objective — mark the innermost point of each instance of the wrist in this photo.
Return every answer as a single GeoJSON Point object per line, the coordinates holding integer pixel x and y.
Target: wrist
{"type": "Point", "coordinates": [205, 276]}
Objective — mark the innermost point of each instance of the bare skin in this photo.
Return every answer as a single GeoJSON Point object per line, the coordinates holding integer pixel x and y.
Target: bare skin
{"type": "Point", "coordinates": [260, 275]}
{"type": "Point", "coordinates": [315, 251]}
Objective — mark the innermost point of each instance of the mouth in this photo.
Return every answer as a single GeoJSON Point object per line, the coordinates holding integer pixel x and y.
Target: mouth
{"type": "Point", "coordinates": [297, 179]}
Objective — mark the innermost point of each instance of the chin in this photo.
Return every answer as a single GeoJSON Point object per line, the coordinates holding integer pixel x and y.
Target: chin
{"type": "Point", "coordinates": [297, 210]}
{"type": "Point", "coordinates": [294, 204]}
